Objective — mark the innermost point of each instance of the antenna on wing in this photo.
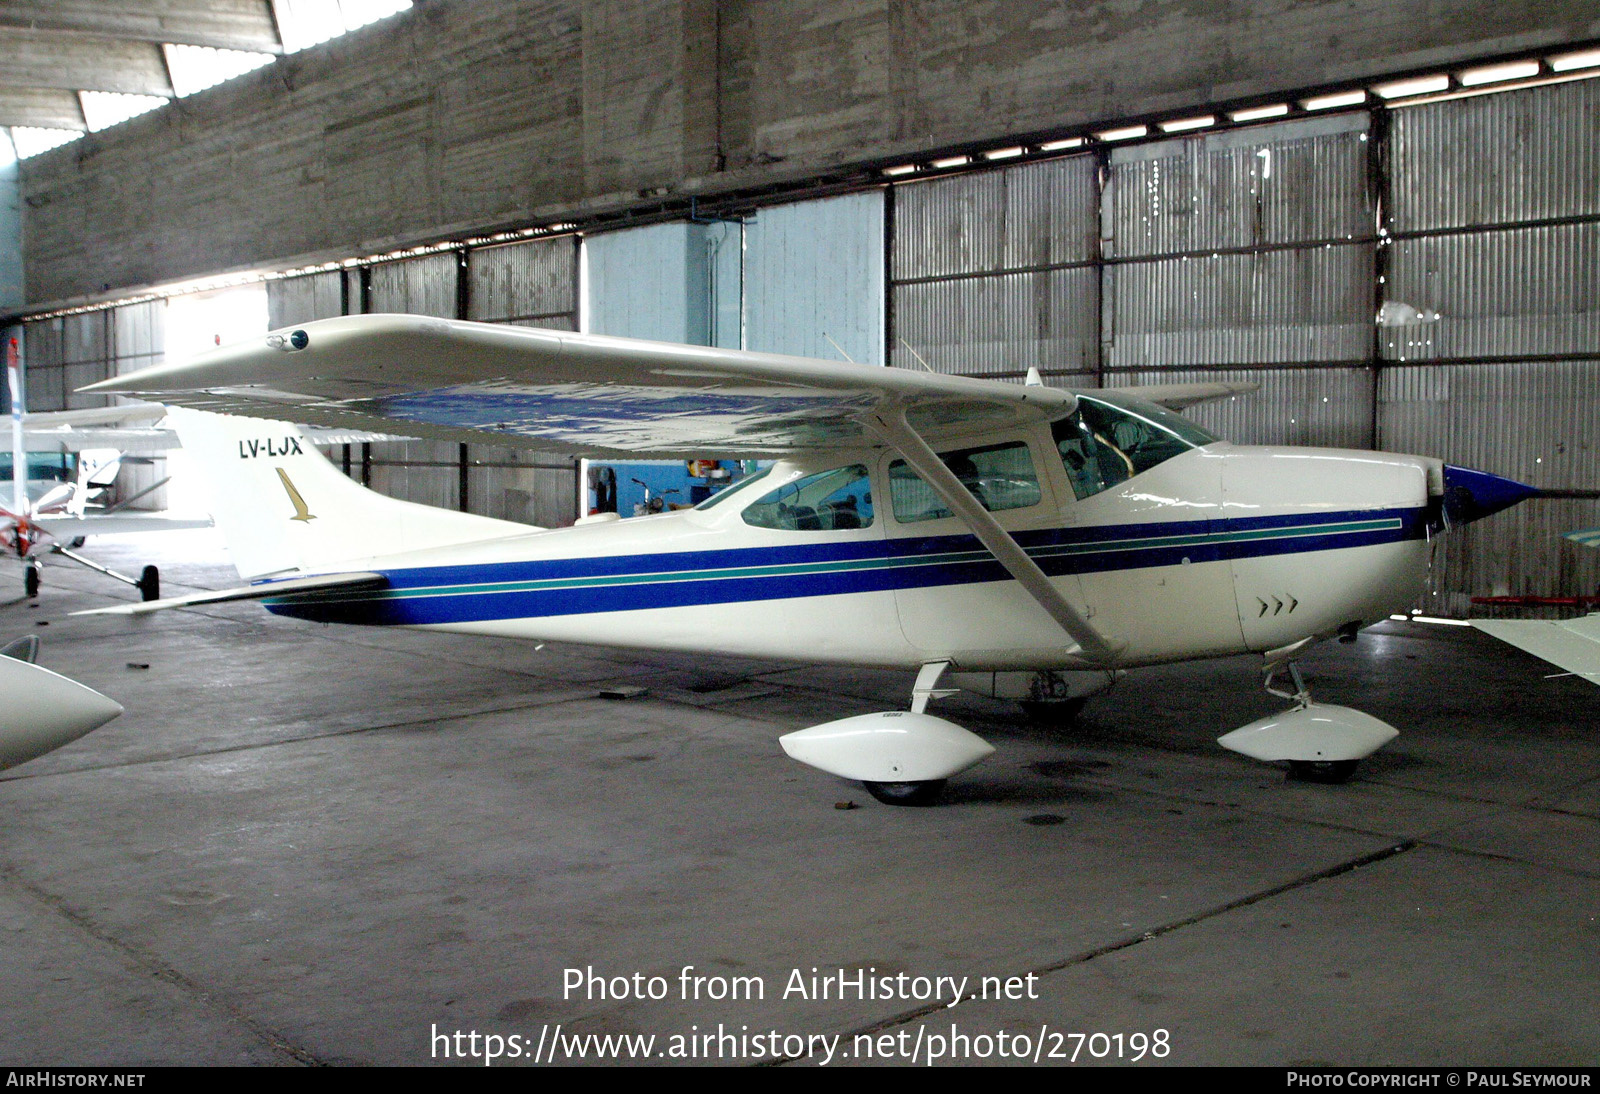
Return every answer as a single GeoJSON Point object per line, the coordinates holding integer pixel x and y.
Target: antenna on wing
{"type": "Point", "coordinates": [1033, 379]}
{"type": "Point", "coordinates": [918, 356]}
{"type": "Point", "coordinates": [838, 347]}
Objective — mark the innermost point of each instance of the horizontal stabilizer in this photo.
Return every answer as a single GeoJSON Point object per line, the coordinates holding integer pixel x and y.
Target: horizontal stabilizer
{"type": "Point", "coordinates": [66, 529]}
{"type": "Point", "coordinates": [1572, 644]}
{"type": "Point", "coordinates": [263, 591]}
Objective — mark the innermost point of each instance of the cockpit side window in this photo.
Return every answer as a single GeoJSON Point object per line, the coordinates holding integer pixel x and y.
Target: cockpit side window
{"type": "Point", "coordinates": [1104, 443]}
{"type": "Point", "coordinates": [1000, 476]}
{"type": "Point", "coordinates": [828, 501]}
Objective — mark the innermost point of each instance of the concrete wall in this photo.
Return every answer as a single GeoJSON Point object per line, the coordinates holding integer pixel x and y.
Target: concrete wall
{"type": "Point", "coordinates": [471, 114]}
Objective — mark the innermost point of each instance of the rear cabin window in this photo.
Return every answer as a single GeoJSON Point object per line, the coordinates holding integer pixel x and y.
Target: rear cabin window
{"type": "Point", "coordinates": [1000, 476]}
{"type": "Point", "coordinates": [1103, 443]}
{"type": "Point", "coordinates": [828, 501]}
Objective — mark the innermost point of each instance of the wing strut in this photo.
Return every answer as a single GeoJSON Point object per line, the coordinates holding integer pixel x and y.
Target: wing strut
{"type": "Point", "coordinates": [890, 424]}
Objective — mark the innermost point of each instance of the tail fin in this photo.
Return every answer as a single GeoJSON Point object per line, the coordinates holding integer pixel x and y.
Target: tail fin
{"type": "Point", "coordinates": [283, 507]}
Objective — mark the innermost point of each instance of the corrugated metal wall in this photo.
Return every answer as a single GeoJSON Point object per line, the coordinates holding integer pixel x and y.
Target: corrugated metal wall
{"type": "Point", "coordinates": [528, 284]}
{"type": "Point", "coordinates": [293, 300]}
{"type": "Point", "coordinates": [429, 472]}
{"type": "Point", "coordinates": [1256, 254]}
{"type": "Point", "coordinates": [138, 335]}
{"type": "Point", "coordinates": [651, 282]}
{"type": "Point", "coordinates": [1250, 252]}
{"type": "Point", "coordinates": [993, 273]}
{"type": "Point", "coordinates": [1496, 258]}
{"type": "Point", "coordinates": [44, 353]}
{"type": "Point", "coordinates": [814, 279]}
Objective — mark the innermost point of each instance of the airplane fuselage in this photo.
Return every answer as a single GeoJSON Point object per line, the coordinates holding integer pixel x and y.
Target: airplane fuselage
{"type": "Point", "coordinates": [1221, 549]}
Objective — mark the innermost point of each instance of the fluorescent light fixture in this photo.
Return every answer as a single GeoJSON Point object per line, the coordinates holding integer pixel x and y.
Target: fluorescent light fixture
{"type": "Point", "coordinates": [1127, 133]}
{"type": "Point", "coordinates": [1183, 124]}
{"type": "Point", "coordinates": [1422, 85]}
{"type": "Point", "coordinates": [952, 161]}
{"type": "Point", "coordinates": [1257, 113]}
{"type": "Point", "coordinates": [1330, 102]}
{"type": "Point", "coordinates": [195, 68]}
{"type": "Point", "coordinates": [903, 169]}
{"type": "Point", "coordinates": [1058, 146]}
{"type": "Point", "coordinates": [103, 109]}
{"type": "Point", "coordinates": [1517, 70]}
{"type": "Point", "coordinates": [1569, 61]}
{"type": "Point", "coordinates": [31, 140]}
{"type": "Point", "coordinates": [1003, 153]}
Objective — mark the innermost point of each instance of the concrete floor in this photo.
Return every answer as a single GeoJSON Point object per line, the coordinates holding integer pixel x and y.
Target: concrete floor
{"type": "Point", "coordinates": [304, 844]}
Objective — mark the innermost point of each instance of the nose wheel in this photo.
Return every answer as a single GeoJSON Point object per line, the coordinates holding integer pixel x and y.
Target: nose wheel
{"type": "Point", "coordinates": [30, 581]}
{"type": "Point", "coordinates": [1327, 772]}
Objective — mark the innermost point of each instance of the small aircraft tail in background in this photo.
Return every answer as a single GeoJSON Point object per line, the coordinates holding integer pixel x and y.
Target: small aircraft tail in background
{"type": "Point", "coordinates": [258, 472]}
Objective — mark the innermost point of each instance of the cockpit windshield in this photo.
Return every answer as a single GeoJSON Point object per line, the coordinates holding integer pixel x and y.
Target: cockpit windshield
{"type": "Point", "coordinates": [1111, 438]}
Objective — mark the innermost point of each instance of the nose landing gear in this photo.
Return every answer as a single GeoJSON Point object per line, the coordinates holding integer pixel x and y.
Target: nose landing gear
{"type": "Point", "coordinates": [1322, 742]}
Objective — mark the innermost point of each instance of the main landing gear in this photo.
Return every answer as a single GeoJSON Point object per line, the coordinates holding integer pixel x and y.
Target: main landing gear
{"type": "Point", "coordinates": [901, 757]}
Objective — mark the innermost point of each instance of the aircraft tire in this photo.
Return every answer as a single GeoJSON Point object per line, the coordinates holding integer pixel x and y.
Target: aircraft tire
{"type": "Point", "coordinates": [30, 582]}
{"type": "Point", "coordinates": [918, 793]}
{"type": "Point", "coordinates": [150, 583]}
{"type": "Point", "coordinates": [1331, 772]}
{"type": "Point", "coordinates": [1052, 712]}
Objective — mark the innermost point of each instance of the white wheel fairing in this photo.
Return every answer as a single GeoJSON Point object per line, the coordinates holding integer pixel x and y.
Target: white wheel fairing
{"type": "Point", "coordinates": [1315, 733]}
{"type": "Point", "coordinates": [889, 747]}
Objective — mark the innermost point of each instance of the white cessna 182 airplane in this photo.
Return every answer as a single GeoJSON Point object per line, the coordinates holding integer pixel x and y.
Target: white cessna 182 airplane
{"type": "Point", "coordinates": [1029, 541]}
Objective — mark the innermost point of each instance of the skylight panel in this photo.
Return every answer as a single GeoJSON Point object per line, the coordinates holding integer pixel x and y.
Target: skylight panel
{"type": "Point", "coordinates": [305, 23]}
{"type": "Point", "coordinates": [31, 140]}
{"type": "Point", "coordinates": [195, 68]}
{"type": "Point", "coordinates": [103, 109]}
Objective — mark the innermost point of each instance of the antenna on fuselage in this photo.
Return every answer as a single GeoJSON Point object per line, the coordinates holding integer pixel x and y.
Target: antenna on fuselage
{"type": "Point", "coordinates": [918, 356]}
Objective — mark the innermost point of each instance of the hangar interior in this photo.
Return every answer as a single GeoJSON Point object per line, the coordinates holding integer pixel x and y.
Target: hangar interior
{"type": "Point", "coordinates": [1385, 214]}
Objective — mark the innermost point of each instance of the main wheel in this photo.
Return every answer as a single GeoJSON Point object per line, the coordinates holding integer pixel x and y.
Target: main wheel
{"type": "Point", "coordinates": [919, 793]}
{"type": "Point", "coordinates": [150, 583]}
{"type": "Point", "coordinates": [1052, 712]}
{"type": "Point", "coordinates": [1322, 771]}
{"type": "Point", "coordinates": [30, 582]}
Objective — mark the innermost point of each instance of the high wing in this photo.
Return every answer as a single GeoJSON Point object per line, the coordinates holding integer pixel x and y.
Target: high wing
{"type": "Point", "coordinates": [564, 392]}
{"type": "Point", "coordinates": [1572, 644]}
{"type": "Point", "coordinates": [1183, 396]}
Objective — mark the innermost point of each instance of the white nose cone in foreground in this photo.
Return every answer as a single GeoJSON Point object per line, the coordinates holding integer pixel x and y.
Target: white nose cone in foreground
{"type": "Point", "coordinates": [41, 711]}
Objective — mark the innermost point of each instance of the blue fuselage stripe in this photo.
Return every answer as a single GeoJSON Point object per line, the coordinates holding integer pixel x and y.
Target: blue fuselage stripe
{"type": "Point", "coordinates": [575, 586]}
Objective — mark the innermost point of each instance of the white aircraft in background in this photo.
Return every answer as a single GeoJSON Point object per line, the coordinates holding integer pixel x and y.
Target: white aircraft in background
{"type": "Point", "coordinates": [43, 711]}
{"type": "Point", "coordinates": [54, 518]}
{"type": "Point", "coordinates": [1571, 644]}
{"type": "Point", "coordinates": [1033, 543]}
{"type": "Point", "coordinates": [58, 520]}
